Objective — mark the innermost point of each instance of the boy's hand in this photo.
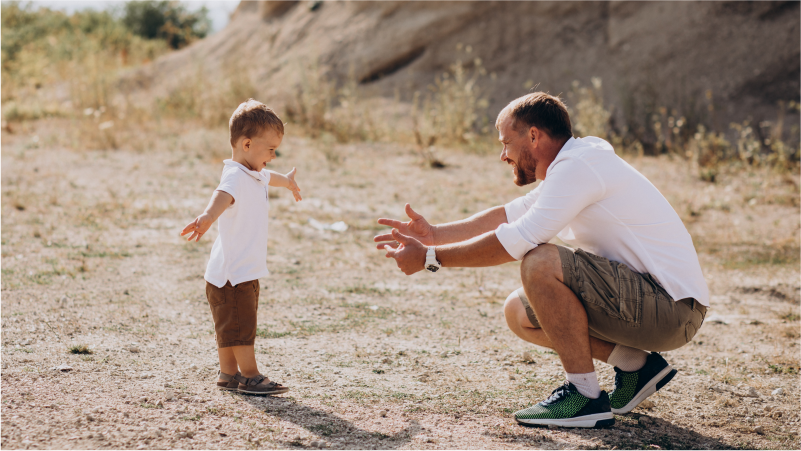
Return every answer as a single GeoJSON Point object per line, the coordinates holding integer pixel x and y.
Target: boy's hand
{"type": "Point", "coordinates": [198, 227]}
{"type": "Point", "coordinates": [292, 185]}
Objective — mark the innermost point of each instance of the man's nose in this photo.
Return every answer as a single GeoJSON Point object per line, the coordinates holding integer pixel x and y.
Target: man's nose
{"type": "Point", "coordinates": [503, 154]}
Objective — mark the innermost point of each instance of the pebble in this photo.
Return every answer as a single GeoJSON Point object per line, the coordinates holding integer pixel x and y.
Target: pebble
{"type": "Point", "coordinates": [647, 404]}
{"type": "Point", "coordinates": [752, 393]}
{"type": "Point", "coordinates": [645, 421]}
{"type": "Point", "coordinates": [169, 394]}
{"type": "Point", "coordinates": [758, 430]}
{"type": "Point", "coordinates": [316, 444]}
{"type": "Point", "coordinates": [63, 368]}
{"type": "Point", "coordinates": [193, 367]}
{"type": "Point", "coordinates": [527, 357]}
{"type": "Point", "coordinates": [133, 349]}
{"type": "Point", "coordinates": [383, 413]}
{"type": "Point", "coordinates": [160, 403]}
{"type": "Point", "coordinates": [778, 391]}
{"type": "Point", "coordinates": [142, 399]}
{"type": "Point", "coordinates": [511, 378]}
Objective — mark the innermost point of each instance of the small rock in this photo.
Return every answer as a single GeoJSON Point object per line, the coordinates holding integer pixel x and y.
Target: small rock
{"type": "Point", "coordinates": [142, 399]}
{"type": "Point", "coordinates": [90, 418]}
{"type": "Point", "coordinates": [63, 368]}
{"type": "Point", "coordinates": [645, 421]}
{"type": "Point", "coordinates": [527, 357]}
{"type": "Point", "coordinates": [193, 367]}
{"type": "Point", "coordinates": [751, 393]}
{"type": "Point", "coordinates": [133, 349]}
{"type": "Point", "coordinates": [160, 403]}
{"type": "Point", "coordinates": [647, 404]}
{"type": "Point", "coordinates": [387, 361]}
{"type": "Point", "coordinates": [169, 395]}
{"type": "Point", "coordinates": [758, 430]}
{"type": "Point", "coordinates": [25, 342]}
{"type": "Point", "coordinates": [444, 354]}
{"type": "Point", "coordinates": [778, 391]}
{"type": "Point", "coordinates": [383, 413]}
{"type": "Point", "coordinates": [511, 377]}
{"type": "Point", "coordinates": [316, 444]}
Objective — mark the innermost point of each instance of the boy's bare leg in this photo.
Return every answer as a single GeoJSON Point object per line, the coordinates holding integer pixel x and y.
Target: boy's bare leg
{"type": "Point", "coordinates": [227, 361]}
{"type": "Point", "coordinates": [246, 358]}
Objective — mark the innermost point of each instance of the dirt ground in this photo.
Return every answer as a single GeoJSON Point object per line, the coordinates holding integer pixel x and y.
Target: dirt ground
{"type": "Point", "coordinates": [376, 360]}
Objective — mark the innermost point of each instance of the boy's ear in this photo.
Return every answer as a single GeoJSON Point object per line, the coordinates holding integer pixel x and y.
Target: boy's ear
{"type": "Point", "coordinates": [246, 143]}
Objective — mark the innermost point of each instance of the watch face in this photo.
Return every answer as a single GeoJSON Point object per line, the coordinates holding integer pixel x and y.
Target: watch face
{"type": "Point", "coordinates": [432, 268]}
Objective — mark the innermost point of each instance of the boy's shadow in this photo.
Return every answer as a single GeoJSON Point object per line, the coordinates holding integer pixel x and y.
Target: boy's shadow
{"type": "Point", "coordinates": [337, 432]}
{"type": "Point", "coordinates": [627, 434]}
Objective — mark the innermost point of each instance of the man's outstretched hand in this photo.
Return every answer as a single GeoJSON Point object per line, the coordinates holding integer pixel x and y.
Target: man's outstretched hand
{"type": "Point", "coordinates": [418, 228]}
{"type": "Point", "coordinates": [410, 254]}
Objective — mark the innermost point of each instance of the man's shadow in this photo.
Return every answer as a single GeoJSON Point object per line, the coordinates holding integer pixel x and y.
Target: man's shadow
{"type": "Point", "coordinates": [330, 428]}
{"type": "Point", "coordinates": [655, 431]}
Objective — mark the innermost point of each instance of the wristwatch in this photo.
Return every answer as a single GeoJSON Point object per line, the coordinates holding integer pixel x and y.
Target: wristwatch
{"type": "Point", "coordinates": [432, 264]}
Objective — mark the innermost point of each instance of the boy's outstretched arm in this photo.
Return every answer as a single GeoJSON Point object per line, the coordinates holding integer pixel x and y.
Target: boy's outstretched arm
{"type": "Point", "coordinates": [286, 181]}
{"type": "Point", "coordinates": [220, 200]}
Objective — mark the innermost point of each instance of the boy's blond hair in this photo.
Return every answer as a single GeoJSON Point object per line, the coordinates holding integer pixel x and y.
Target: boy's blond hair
{"type": "Point", "coordinates": [251, 118]}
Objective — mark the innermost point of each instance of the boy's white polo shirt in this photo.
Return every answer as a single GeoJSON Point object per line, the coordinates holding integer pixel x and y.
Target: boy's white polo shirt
{"type": "Point", "coordinates": [239, 253]}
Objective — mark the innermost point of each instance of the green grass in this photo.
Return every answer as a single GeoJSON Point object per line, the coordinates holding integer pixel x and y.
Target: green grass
{"type": "Point", "coordinates": [80, 349]}
{"type": "Point", "coordinates": [265, 332]}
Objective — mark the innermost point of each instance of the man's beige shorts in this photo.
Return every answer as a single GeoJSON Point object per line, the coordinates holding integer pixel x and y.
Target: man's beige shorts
{"type": "Point", "coordinates": [625, 307]}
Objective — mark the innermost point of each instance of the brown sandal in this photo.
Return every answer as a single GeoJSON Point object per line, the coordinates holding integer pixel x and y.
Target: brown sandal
{"type": "Point", "coordinates": [231, 383]}
{"type": "Point", "coordinates": [259, 385]}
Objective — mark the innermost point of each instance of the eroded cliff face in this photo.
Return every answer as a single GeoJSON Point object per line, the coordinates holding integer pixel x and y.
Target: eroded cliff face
{"type": "Point", "coordinates": [647, 53]}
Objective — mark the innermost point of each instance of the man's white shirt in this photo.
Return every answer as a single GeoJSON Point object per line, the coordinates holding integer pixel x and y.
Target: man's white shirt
{"type": "Point", "coordinates": [592, 199]}
{"type": "Point", "coordinates": [239, 253]}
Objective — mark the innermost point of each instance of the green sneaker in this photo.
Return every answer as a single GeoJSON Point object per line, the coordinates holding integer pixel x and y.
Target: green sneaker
{"type": "Point", "coordinates": [568, 408]}
{"type": "Point", "coordinates": [632, 388]}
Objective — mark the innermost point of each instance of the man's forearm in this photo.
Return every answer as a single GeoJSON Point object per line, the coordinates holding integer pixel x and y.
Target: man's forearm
{"type": "Point", "coordinates": [484, 250]}
{"type": "Point", "coordinates": [479, 223]}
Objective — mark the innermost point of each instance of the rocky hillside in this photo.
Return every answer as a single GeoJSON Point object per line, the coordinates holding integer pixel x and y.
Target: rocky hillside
{"type": "Point", "coordinates": [740, 57]}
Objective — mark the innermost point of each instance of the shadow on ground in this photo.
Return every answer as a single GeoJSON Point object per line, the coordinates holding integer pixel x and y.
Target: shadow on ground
{"type": "Point", "coordinates": [338, 432]}
{"type": "Point", "coordinates": [628, 432]}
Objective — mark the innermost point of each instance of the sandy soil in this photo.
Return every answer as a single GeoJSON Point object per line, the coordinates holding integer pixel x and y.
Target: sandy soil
{"type": "Point", "coordinates": [91, 256]}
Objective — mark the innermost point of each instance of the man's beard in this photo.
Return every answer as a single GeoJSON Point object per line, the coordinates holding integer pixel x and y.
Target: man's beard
{"type": "Point", "coordinates": [525, 170]}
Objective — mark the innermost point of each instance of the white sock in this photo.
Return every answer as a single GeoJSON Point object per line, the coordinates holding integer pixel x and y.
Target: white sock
{"type": "Point", "coordinates": [586, 383]}
{"type": "Point", "coordinates": [627, 359]}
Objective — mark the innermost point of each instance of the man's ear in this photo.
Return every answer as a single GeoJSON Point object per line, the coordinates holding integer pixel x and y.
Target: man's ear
{"type": "Point", "coordinates": [534, 134]}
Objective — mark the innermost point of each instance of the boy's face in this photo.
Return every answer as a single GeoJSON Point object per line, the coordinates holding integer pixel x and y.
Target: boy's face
{"type": "Point", "coordinates": [260, 150]}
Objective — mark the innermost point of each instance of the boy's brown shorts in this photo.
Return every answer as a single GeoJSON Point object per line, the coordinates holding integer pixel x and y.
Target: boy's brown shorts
{"type": "Point", "coordinates": [233, 309]}
{"type": "Point", "coordinates": [623, 306]}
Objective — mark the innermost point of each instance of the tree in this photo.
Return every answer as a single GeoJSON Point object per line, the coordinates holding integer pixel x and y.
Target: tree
{"type": "Point", "coordinates": [166, 20]}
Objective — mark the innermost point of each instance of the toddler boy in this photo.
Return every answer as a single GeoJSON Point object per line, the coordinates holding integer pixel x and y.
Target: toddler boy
{"type": "Point", "coordinates": [239, 255]}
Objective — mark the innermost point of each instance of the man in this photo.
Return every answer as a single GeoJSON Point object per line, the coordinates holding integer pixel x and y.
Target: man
{"type": "Point", "coordinates": [632, 282]}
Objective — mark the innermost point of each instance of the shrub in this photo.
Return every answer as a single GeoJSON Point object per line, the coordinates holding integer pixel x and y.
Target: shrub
{"type": "Point", "coordinates": [166, 20]}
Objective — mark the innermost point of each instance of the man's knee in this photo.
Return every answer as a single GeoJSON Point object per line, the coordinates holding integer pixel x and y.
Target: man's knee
{"type": "Point", "coordinates": [541, 263]}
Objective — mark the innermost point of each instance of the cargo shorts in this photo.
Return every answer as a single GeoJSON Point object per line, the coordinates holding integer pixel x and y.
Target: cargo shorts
{"type": "Point", "coordinates": [623, 306]}
{"type": "Point", "coordinates": [233, 309]}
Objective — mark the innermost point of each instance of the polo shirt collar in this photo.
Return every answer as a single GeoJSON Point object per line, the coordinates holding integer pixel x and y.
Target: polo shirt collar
{"type": "Point", "coordinates": [257, 176]}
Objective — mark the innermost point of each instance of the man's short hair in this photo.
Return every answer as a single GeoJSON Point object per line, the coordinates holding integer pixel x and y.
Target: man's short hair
{"type": "Point", "coordinates": [251, 118]}
{"type": "Point", "coordinates": [541, 110]}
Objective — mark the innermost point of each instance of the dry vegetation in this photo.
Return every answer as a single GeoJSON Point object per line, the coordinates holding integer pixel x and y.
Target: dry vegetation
{"type": "Point", "coordinates": [96, 186]}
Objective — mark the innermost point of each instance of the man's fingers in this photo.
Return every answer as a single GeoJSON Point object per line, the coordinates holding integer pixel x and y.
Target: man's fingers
{"type": "Point", "coordinates": [413, 215]}
{"type": "Point", "coordinates": [394, 223]}
{"type": "Point", "coordinates": [384, 237]}
{"type": "Point", "coordinates": [400, 238]}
